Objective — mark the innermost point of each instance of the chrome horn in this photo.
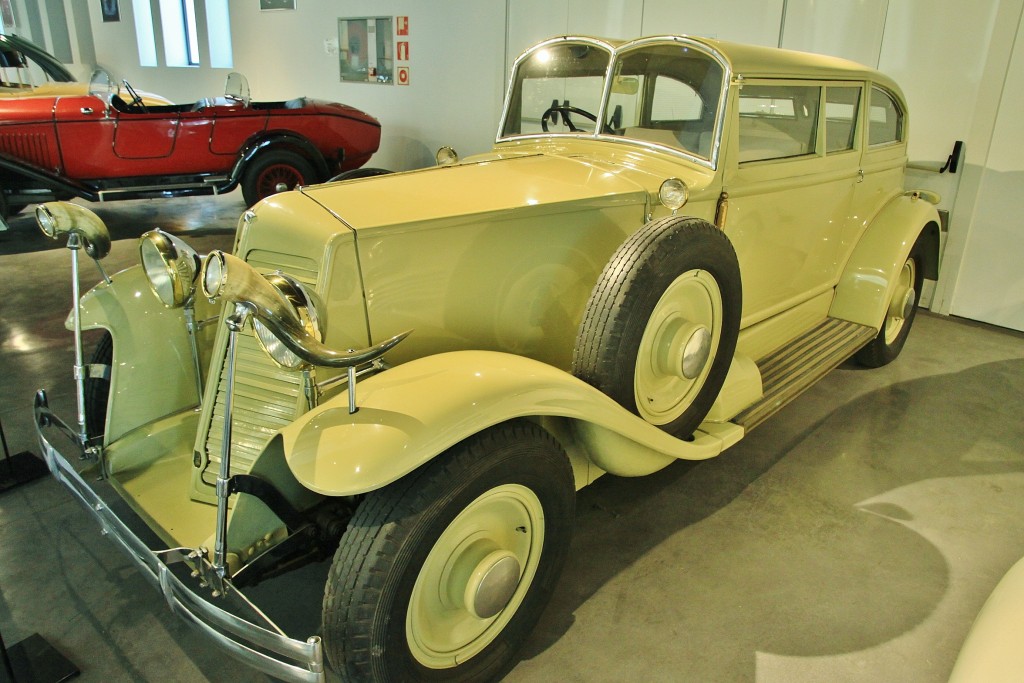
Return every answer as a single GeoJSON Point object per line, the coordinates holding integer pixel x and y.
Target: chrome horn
{"type": "Point", "coordinates": [63, 218]}
{"type": "Point", "coordinates": [227, 277]}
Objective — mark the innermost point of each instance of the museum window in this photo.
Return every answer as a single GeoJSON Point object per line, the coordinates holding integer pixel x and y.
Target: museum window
{"type": "Point", "coordinates": [179, 26]}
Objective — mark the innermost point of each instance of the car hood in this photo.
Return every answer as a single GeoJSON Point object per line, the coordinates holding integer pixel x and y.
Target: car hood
{"type": "Point", "coordinates": [527, 183]}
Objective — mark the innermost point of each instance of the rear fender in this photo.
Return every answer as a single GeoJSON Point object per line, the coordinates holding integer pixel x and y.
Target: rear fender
{"type": "Point", "coordinates": [280, 140]}
{"type": "Point", "coordinates": [411, 413]}
{"type": "Point", "coordinates": [869, 279]}
{"type": "Point", "coordinates": [152, 374]}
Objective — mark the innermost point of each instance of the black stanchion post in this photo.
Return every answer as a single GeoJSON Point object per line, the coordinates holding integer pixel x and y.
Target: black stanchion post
{"type": "Point", "coordinates": [19, 468]}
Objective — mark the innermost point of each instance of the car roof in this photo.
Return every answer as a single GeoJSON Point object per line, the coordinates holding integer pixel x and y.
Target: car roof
{"type": "Point", "coordinates": [757, 61]}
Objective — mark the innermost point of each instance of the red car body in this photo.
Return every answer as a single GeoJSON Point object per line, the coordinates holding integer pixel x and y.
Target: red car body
{"type": "Point", "coordinates": [100, 147]}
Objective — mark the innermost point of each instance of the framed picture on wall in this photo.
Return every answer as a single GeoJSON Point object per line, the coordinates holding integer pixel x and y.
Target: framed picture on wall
{"type": "Point", "coordinates": [111, 10]}
{"type": "Point", "coordinates": [277, 4]}
{"type": "Point", "coordinates": [7, 13]}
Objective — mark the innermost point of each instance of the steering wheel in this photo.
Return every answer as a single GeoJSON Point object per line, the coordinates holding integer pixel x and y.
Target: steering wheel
{"type": "Point", "coordinates": [565, 110]}
{"type": "Point", "coordinates": [136, 101]}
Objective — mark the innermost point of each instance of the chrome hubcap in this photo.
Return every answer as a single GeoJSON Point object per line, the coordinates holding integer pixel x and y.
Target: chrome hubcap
{"type": "Point", "coordinates": [492, 584]}
{"type": "Point", "coordinates": [902, 304]}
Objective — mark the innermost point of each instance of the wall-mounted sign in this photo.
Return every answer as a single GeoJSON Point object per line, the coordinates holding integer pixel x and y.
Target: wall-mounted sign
{"type": "Point", "coordinates": [402, 26]}
{"type": "Point", "coordinates": [402, 77]}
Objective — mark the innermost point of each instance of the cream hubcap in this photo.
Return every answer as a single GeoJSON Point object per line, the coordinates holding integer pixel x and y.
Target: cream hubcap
{"type": "Point", "coordinates": [678, 347]}
{"type": "Point", "coordinates": [902, 303]}
{"type": "Point", "coordinates": [475, 577]}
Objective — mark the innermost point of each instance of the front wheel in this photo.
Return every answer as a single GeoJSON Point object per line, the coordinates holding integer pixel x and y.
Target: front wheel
{"type": "Point", "coordinates": [275, 171]}
{"type": "Point", "coordinates": [442, 575]}
{"type": "Point", "coordinates": [97, 387]}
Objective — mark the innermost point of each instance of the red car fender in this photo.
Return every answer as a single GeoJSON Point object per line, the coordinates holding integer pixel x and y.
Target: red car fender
{"type": "Point", "coordinates": [279, 140]}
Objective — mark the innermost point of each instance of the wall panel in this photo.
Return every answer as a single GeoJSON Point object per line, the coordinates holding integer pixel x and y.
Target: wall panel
{"type": "Point", "coordinates": [851, 29]}
{"type": "Point", "coordinates": [745, 21]}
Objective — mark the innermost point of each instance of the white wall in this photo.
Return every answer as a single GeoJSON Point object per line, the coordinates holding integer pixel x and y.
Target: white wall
{"type": "Point", "coordinates": [954, 60]}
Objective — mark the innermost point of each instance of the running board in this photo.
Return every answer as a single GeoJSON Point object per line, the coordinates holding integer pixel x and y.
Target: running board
{"type": "Point", "coordinates": [791, 370]}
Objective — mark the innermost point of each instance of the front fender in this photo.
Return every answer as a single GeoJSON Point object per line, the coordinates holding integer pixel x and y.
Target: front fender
{"type": "Point", "coordinates": [869, 279]}
{"type": "Point", "coordinates": [413, 412]}
{"type": "Point", "coordinates": [152, 374]}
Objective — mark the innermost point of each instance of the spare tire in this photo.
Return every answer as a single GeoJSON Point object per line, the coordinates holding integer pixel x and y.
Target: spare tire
{"type": "Point", "coordinates": [660, 328]}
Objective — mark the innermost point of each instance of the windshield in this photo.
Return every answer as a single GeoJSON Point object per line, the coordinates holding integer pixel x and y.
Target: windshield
{"type": "Point", "coordinates": [668, 94]}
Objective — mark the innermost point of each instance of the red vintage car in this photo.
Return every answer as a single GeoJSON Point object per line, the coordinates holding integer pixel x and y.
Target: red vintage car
{"type": "Point", "coordinates": [101, 146]}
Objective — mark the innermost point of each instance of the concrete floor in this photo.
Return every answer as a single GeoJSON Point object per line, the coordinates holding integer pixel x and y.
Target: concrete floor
{"type": "Point", "coordinates": [852, 537]}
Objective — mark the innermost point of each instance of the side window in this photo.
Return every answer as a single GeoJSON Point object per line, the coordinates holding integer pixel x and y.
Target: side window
{"type": "Point", "coordinates": [886, 119]}
{"type": "Point", "coordinates": [778, 121]}
{"type": "Point", "coordinates": [841, 106]}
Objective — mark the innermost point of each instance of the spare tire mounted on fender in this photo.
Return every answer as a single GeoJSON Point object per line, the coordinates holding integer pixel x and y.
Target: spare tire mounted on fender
{"type": "Point", "coordinates": [660, 328]}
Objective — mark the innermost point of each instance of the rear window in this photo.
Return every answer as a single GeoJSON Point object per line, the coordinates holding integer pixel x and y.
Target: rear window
{"type": "Point", "coordinates": [886, 122]}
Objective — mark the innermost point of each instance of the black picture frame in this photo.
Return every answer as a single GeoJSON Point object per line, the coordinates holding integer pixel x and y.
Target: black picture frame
{"type": "Point", "coordinates": [111, 10]}
{"type": "Point", "coordinates": [267, 5]}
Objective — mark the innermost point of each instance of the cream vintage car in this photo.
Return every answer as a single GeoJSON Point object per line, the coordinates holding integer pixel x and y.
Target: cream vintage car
{"type": "Point", "coordinates": [671, 238]}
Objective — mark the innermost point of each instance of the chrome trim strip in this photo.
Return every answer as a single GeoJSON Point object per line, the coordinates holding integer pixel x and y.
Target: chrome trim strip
{"type": "Point", "coordinates": [229, 632]}
{"type": "Point", "coordinates": [202, 185]}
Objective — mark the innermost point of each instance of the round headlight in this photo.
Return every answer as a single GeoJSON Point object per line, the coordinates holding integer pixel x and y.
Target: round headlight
{"type": "Point", "coordinates": [275, 348]}
{"type": "Point", "coordinates": [171, 266]}
{"type": "Point", "coordinates": [47, 223]}
{"type": "Point", "coordinates": [673, 193]}
{"type": "Point", "coordinates": [214, 274]}
{"type": "Point", "coordinates": [304, 305]}
{"type": "Point", "coordinates": [446, 156]}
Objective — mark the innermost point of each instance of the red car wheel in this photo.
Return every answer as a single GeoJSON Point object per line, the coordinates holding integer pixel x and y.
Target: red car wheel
{"type": "Point", "coordinates": [273, 171]}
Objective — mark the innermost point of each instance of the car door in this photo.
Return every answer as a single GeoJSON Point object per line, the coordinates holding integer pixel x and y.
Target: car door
{"type": "Point", "coordinates": [790, 179]}
{"type": "Point", "coordinates": [882, 162]}
{"type": "Point", "coordinates": [85, 135]}
{"type": "Point", "coordinates": [145, 135]}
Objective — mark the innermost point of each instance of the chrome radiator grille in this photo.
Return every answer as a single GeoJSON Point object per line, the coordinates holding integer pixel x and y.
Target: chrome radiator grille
{"type": "Point", "coordinates": [266, 396]}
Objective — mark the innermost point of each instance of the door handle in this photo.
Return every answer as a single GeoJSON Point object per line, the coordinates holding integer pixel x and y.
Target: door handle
{"type": "Point", "coordinates": [87, 111]}
{"type": "Point", "coordinates": [860, 175]}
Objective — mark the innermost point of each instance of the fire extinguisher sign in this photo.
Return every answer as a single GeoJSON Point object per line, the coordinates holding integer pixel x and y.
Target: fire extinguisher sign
{"type": "Point", "coordinates": [402, 50]}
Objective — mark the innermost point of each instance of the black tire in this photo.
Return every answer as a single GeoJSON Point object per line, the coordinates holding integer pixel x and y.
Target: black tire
{"type": "Point", "coordinates": [397, 543]}
{"type": "Point", "coordinates": [97, 389]}
{"type": "Point", "coordinates": [263, 174]}
{"type": "Point", "coordinates": [899, 317]}
{"type": "Point", "coordinates": [355, 173]}
{"type": "Point", "coordinates": [645, 311]}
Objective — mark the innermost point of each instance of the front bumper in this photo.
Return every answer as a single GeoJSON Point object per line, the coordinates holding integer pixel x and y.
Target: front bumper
{"type": "Point", "coordinates": [264, 649]}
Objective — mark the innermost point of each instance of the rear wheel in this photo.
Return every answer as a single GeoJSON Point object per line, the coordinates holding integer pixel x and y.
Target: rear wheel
{"type": "Point", "coordinates": [442, 575]}
{"type": "Point", "coordinates": [274, 171]}
{"type": "Point", "coordinates": [885, 347]}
